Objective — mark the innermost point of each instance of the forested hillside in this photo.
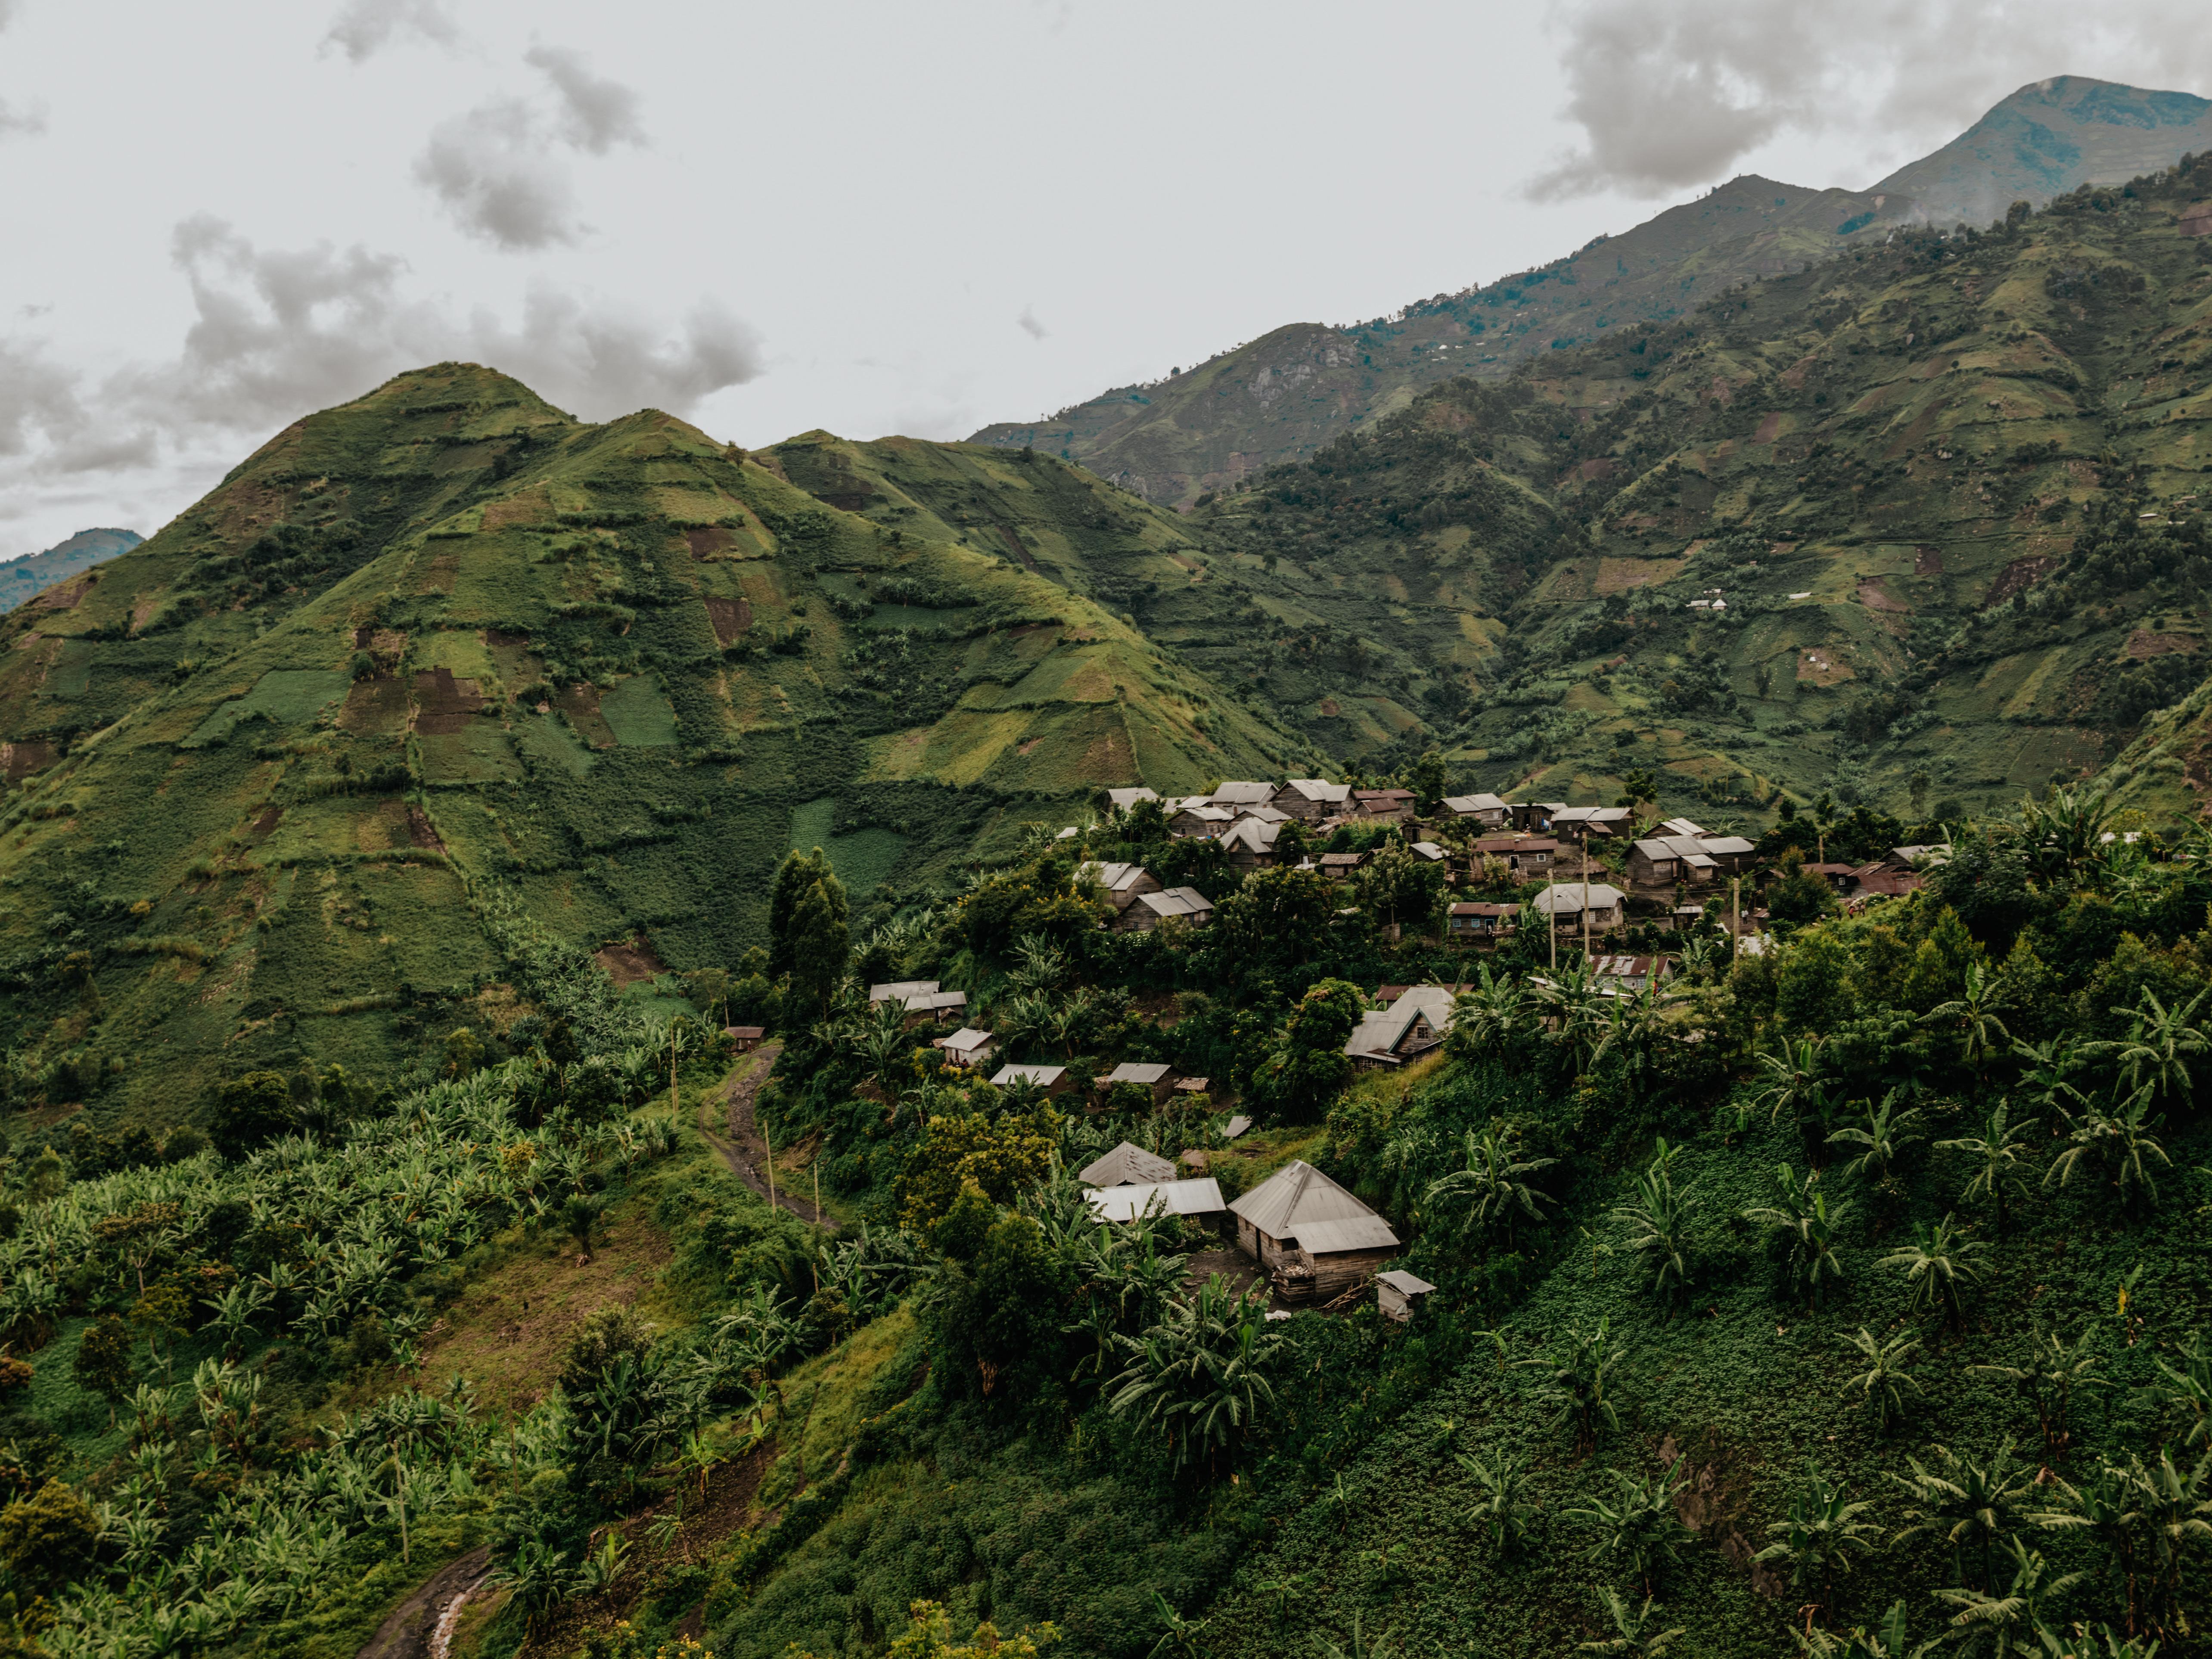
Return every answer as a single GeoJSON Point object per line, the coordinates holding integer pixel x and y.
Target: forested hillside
{"type": "Point", "coordinates": [444, 650]}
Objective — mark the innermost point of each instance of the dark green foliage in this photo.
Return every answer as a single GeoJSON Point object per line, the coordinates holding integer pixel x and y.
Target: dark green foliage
{"type": "Point", "coordinates": [250, 1111]}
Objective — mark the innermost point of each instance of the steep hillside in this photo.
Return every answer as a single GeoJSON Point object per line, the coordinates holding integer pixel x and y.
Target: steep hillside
{"type": "Point", "coordinates": [2049, 137]}
{"type": "Point", "coordinates": [443, 651]}
{"type": "Point", "coordinates": [1945, 490]}
{"type": "Point", "coordinates": [31, 574]}
{"type": "Point", "coordinates": [1284, 396]}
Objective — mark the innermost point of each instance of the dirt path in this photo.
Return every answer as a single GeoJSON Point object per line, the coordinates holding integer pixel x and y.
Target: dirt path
{"type": "Point", "coordinates": [738, 1137]}
{"type": "Point", "coordinates": [409, 1632]}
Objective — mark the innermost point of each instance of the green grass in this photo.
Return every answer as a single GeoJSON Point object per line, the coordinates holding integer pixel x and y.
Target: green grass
{"type": "Point", "coordinates": [639, 715]}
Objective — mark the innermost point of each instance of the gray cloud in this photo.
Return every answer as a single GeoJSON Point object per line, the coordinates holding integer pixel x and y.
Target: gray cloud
{"type": "Point", "coordinates": [1027, 322]}
{"type": "Point", "coordinates": [37, 399]}
{"type": "Point", "coordinates": [364, 27]}
{"type": "Point", "coordinates": [12, 119]}
{"type": "Point", "coordinates": [497, 168]}
{"type": "Point", "coordinates": [279, 333]}
{"type": "Point", "coordinates": [1671, 94]}
{"type": "Point", "coordinates": [596, 113]}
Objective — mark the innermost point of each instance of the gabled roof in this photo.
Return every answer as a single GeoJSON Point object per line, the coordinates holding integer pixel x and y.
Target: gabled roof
{"type": "Point", "coordinates": [1144, 1071]}
{"type": "Point", "coordinates": [1252, 834]}
{"type": "Point", "coordinates": [1177, 902]}
{"type": "Point", "coordinates": [1483, 907]}
{"type": "Point", "coordinates": [1729, 846]}
{"type": "Point", "coordinates": [1125, 799]}
{"type": "Point", "coordinates": [1679, 827]}
{"type": "Point", "coordinates": [1467, 804]}
{"type": "Point", "coordinates": [1319, 789]}
{"type": "Point", "coordinates": [1429, 850]}
{"type": "Point", "coordinates": [1342, 860]}
{"type": "Point", "coordinates": [1127, 1162]}
{"type": "Point", "coordinates": [1115, 877]}
{"type": "Point", "coordinates": [899, 990]}
{"type": "Point", "coordinates": [1200, 1195]}
{"type": "Point", "coordinates": [1566, 898]}
{"type": "Point", "coordinates": [967, 1039]}
{"type": "Point", "coordinates": [1043, 1076]}
{"type": "Point", "coordinates": [1242, 794]}
{"type": "Point", "coordinates": [1299, 1204]}
{"type": "Point", "coordinates": [1382, 1032]}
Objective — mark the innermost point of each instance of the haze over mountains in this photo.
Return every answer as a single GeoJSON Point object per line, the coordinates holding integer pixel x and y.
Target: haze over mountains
{"type": "Point", "coordinates": [26, 577]}
{"type": "Point", "coordinates": [1283, 396]}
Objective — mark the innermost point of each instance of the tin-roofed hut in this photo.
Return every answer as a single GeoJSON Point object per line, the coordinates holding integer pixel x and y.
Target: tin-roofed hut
{"type": "Point", "coordinates": [1316, 1240]}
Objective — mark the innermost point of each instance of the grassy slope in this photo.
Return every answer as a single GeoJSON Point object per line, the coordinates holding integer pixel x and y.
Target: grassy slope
{"type": "Point", "coordinates": [1917, 430]}
{"type": "Point", "coordinates": [262, 853]}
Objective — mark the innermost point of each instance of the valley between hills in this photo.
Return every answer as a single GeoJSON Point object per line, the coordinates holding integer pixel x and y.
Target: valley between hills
{"type": "Point", "coordinates": [1563, 1017]}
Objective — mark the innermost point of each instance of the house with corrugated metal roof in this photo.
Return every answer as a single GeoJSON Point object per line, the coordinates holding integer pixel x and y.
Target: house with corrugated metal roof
{"type": "Point", "coordinates": [1197, 1196]}
{"type": "Point", "coordinates": [1185, 905]}
{"type": "Point", "coordinates": [1123, 800]}
{"type": "Point", "coordinates": [1312, 799]}
{"type": "Point", "coordinates": [1483, 809]}
{"type": "Point", "coordinates": [1316, 1240]}
{"type": "Point", "coordinates": [1413, 1025]}
{"type": "Point", "coordinates": [1122, 882]}
{"type": "Point", "coordinates": [1051, 1079]}
{"type": "Point", "coordinates": [1127, 1163]}
{"type": "Point", "coordinates": [968, 1047]}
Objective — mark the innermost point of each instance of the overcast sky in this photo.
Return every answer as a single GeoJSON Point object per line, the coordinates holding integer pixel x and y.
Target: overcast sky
{"type": "Point", "coordinates": [874, 218]}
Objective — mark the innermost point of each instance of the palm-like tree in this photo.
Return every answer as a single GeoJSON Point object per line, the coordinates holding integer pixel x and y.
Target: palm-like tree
{"type": "Point", "coordinates": [2016, 1622]}
{"type": "Point", "coordinates": [2054, 1371]}
{"type": "Point", "coordinates": [1635, 1636]}
{"type": "Point", "coordinates": [2120, 1139]}
{"type": "Point", "coordinates": [2175, 1507]}
{"type": "Point", "coordinates": [1659, 1220]}
{"type": "Point", "coordinates": [2105, 1508]}
{"type": "Point", "coordinates": [1640, 1528]}
{"type": "Point", "coordinates": [2160, 1043]}
{"type": "Point", "coordinates": [1884, 1382]}
{"type": "Point", "coordinates": [1571, 997]}
{"type": "Point", "coordinates": [1882, 1135]}
{"type": "Point", "coordinates": [1202, 1375]}
{"type": "Point", "coordinates": [2066, 828]}
{"type": "Point", "coordinates": [1968, 1506]}
{"type": "Point", "coordinates": [1886, 1639]}
{"type": "Point", "coordinates": [1502, 1510]}
{"type": "Point", "coordinates": [1579, 1383]}
{"type": "Point", "coordinates": [1040, 965]}
{"type": "Point", "coordinates": [2001, 1155]}
{"type": "Point", "coordinates": [1491, 1181]}
{"type": "Point", "coordinates": [1820, 1533]}
{"type": "Point", "coordinates": [1790, 1085]}
{"type": "Point", "coordinates": [1938, 1265]}
{"type": "Point", "coordinates": [1975, 1011]}
{"type": "Point", "coordinates": [1804, 1224]}
{"type": "Point", "coordinates": [2045, 1069]}
{"type": "Point", "coordinates": [2183, 1393]}
{"type": "Point", "coordinates": [1489, 1014]}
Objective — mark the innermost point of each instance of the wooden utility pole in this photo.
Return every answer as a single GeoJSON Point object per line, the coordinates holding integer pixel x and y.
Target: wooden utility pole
{"type": "Point", "coordinates": [1820, 845]}
{"type": "Point", "coordinates": [1586, 898]}
{"type": "Point", "coordinates": [1735, 917]}
{"type": "Point", "coordinates": [674, 1105]}
{"type": "Point", "coordinates": [1551, 904]}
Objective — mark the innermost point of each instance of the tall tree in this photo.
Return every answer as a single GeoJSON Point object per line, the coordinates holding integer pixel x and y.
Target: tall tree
{"type": "Point", "coordinates": [798, 871]}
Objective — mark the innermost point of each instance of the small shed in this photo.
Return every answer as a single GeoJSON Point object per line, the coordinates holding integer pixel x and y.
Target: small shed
{"type": "Point", "coordinates": [1184, 904]}
{"type": "Point", "coordinates": [1052, 1079]}
{"type": "Point", "coordinates": [1316, 1240]}
{"type": "Point", "coordinates": [1339, 867]}
{"type": "Point", "coordinates": [744, 1038]}
{"type": "Point", "coordinates": [1198, 1197]}
{"type": "Point", "coordinates": [1396, 1291]}
{"type": "Point", "coordinates": [1126, 1164]}
{"type": "Point", "coordinates": [1155, 1079]}
{"type": "Point", "coordinates": [1189, 1086]}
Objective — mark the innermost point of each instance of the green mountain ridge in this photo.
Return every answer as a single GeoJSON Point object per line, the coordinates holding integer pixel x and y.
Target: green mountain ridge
{"type": "Point", "coordinates": [443, 651]}
{"type": "Point", "coordinates": [26, 577]}
{"type": "Point", "coordinates": [1285, 395]}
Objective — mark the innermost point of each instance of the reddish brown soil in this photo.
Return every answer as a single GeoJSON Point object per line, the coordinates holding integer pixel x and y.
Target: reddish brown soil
{"type": "Point", "coordinates": [629, 961]}
{"type": "Point", "coordinates": [444, 704]}
{"type": "Point", "coordinates": [705, 540]}
{"type": "Point", "coordinates": [731, 617]}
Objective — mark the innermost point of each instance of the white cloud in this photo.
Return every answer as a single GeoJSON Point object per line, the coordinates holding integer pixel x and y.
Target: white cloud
{"type": "Point", "coordinates": [364, 27]}
{"type": "Point", "coordinates": [1671, 94]}
{"type": "Point", "coordinates": [497, 167]}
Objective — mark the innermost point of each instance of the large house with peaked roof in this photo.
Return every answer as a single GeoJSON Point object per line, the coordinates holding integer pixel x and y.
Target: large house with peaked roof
{"type": "Point", "coordinates": [1316, 1240]}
